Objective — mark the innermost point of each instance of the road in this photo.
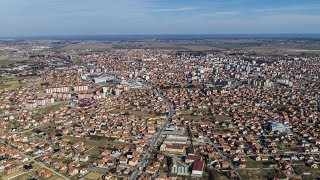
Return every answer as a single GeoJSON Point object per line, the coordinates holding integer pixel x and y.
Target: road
{"type": "Point", "coordinates": [227, 159]}
{"type": "Point", "coordinates": [35, 161]}
{"type": "Point", "coordinates": [139, 168]}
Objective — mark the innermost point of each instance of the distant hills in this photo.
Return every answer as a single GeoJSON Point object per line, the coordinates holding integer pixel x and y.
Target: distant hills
{"type": "Point", "coordinates": [164, 37]}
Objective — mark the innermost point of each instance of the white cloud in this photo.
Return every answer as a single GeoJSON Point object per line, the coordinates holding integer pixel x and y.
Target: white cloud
{"type": "Point", "coordinates": [174, 9]}
{"type": "Point", "coordinates": [222, 13]}
{"type": "Point", "coordinates": [289, 8]}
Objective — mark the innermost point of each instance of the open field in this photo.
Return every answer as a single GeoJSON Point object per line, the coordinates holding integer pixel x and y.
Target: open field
{"type": "Point", "coordinates": [195, 118]}
{"type": "Point", "coordinates": [3, 57]}
{"type": "Point", "coordinates": [259, 174]}
{"type": "Point", "coordinates": [93, 175]}
{"type": "Point", "coordinates": [55, 177]}
{"type": "Point", "coordinates": [188, 114]}
{"type": "Point", "coordinates": [43, 110]}
{"type": "Point", "coordinates": [218, 175]}
{"type": "Point", "coordinates": [50, 108]}
{"type": "Point", "coordinates": [24, 176]}
{"type": "Point", "coordinates": [251, 163]}
{"type": "Point", "coordinates": [97, 46]}
{"type": "Point", "coordinates": [6, 61]}
{"type": "Point", "coordinates": [199, 48]}
{"type": "Point", "coordinates": [4, 176]}
{"type": "Point", "coordinates": [9, 82]}
{"type": "Point", "coordinates": [260, 46]}
{"type": "Point", "coordinates": [146, 45]}
{"type": "Point", "coordinates": [10, 85]}
{"type": "Point", "coordinates": [279, 50]}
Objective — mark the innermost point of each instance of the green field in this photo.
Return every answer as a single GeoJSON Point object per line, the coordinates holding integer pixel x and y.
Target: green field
{"type": "Point", "coordinates": [188, 114]}
{"type": "Point", "coordinates": [24, 176]}
{"type": "Point", "coordinates": [251, 163]}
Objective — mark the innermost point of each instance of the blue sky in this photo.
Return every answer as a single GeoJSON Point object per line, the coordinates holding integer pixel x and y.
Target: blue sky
{"type": "Point", "coordinates": [104, 17]}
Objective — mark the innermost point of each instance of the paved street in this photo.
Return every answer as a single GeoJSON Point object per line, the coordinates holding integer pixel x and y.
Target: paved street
{"type": "Point", "coordinates": [138, 170]}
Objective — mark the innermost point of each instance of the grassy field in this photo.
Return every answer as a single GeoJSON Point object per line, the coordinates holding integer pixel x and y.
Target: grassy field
{"type": "Point", "coordinates": [251, 163]}
{"type": "Point", "coordinates": [188, 111]}
{"type": "Point", "coordinates": [258, 174]}
{"type": "Point", "coordinates": [6, 61]}
{"type": "Point", "coordinates": [195, 118]}
{"type": "Point", "coordinates": [218, 175]}
{"type": "Point", "coordinates": [147, 45]}
{"type": "Point", "coordinates": [50, 108]}
{"type": "Point", "coordinates": [199, 47]}
{"type": "Point", "coordinates": [55, 177]}
{"type": "Point", "coordinates": [188, 114]}
{"type": "Point", "coordinates": [260, 46]}
{"type": "Point", "coordinates": [233, 45]}
{"type": "Point", "coordinates": [92, 46]}
{"type": "Point", "coordinates": [284, 49]}
{"type": "Point", "coordinates": [94, 151]}
{"type": "Point", "coordinates": [10, 85]}
{"type": "Point", "coordinates": [24, 176]}
{"type": "Point", "coordinates": [9, 82]}
{"type": "Point", "coordinates": [3, 57]}
{"type": "Point", "coordinates": [46, 110]}
{"type": "Point", "coordinates": [93, 176]}
{"type": "Point", "coordinates": [3, 175]}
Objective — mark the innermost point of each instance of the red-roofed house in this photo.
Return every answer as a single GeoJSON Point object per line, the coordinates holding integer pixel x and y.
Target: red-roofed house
{"type": "Point", "coordinates": [197, 168]}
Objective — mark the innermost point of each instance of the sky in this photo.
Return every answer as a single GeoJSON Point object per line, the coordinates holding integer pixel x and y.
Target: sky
{"type": "Point", "coordinates": [117, 17]}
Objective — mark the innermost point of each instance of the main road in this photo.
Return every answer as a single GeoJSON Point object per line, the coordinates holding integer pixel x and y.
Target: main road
{"type": "Point", "coordinates": [146, 155]}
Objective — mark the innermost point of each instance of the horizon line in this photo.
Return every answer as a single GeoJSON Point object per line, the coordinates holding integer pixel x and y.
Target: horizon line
{"type": "Point", "coordinates": [160, 36]}
{"type": "Point", "coordinates": [138, 34]}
